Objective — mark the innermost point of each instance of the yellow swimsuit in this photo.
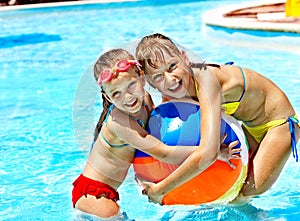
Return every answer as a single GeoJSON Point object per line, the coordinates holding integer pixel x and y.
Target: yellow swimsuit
{"type": "Point", "coordinates": [258, 132]}
{"type": "Point", "coordinates": [231, 107]}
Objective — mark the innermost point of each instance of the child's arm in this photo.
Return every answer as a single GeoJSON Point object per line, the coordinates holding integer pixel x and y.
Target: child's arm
{"type": "Point", "coordinates": [139, 138]}
{"type": "Point", "coordinates": [207, 152]}
{"type": "Point", "coordinates": [198, 158]}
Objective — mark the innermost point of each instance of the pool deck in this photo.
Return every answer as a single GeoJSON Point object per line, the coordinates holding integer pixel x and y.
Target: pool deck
{"type": "Point", "coordinates": [265, 15]}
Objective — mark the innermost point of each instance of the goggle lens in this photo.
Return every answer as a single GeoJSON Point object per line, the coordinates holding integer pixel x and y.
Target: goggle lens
{"type": "Point", "coordinates": [121, 66]}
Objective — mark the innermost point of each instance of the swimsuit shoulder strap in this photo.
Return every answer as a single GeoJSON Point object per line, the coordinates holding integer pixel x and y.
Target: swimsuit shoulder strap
{"type": "Point", "coordinates": [244, 79]}
{"type": "Point", "coordinates": [101, 134]}
{"type": "Point", "coordinates": [110, 144]}
{"type": "Point", "coordinates": [196, 88]}
{"type": "Point", "coordinates": [204, 66]}
{"type": "Point", "coordinates": [108, 113]}
{"type": "Point", "coordinates": [139, 121]}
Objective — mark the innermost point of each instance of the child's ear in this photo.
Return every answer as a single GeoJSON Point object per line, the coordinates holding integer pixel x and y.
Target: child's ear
{"type": "Point", "coordinates": [185, 57]}
{"type": "Point", "coordinates": [107, 97]}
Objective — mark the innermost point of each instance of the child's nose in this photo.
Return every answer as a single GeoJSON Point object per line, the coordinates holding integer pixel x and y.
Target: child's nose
{"type": "Point", "coordinates": [169, 76]}
{"type": "Point", "coordinates": [130, 94]}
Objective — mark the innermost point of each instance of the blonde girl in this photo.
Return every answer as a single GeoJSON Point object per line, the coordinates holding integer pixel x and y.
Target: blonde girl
{"type": "Point", "coordinates": [269, 120]}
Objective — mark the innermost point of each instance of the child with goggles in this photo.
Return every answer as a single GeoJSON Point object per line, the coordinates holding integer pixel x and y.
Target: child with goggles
{"type": "Point", "coordinates": [269, 120]}
{"type": "Point", "coordinates": [119, 132]}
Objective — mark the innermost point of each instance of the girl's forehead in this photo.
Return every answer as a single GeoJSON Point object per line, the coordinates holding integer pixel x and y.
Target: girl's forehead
{"type": "Point", "coordinates": [130, 73]}
{"type": "Point", "coordinates": [157, 64]}
{"type": "Point", "coordinates": [158, 60]}
{"type": "Point", "coordinates": [121, 80]}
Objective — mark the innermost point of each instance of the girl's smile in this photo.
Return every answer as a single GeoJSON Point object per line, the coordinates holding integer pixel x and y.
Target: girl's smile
{"type": "Point", "coordinates": [126, 92]}
{"type": "Point", "coordinates": [176, 86]}
{"type": "Point", "coordinates": [171, 79]}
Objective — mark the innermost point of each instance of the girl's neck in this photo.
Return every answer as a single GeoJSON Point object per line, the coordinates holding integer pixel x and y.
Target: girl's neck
{"type": "Point", "coordinates": [138, 114]}
{"type": "Point", "coordinates": [141, 116]}
{"type": "Point", "coordinates": [193, 90]}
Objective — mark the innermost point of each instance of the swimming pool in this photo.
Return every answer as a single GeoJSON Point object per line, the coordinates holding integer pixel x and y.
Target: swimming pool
{"type": "Point", "coordinates": [45, 54]}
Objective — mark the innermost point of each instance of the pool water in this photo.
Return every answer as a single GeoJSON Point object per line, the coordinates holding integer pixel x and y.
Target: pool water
{"type": "Point", "coordinates": [47, 114]}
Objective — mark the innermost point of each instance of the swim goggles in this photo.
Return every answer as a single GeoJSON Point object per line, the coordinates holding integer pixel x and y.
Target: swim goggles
{"type": "Point", "coordinates": [121, 66]}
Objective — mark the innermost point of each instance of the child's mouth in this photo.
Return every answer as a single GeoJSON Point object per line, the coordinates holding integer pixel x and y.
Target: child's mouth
{"type": "Point", "coordinates": [175, 87]}
{"type": "Point", "coordinates": [132, 103]}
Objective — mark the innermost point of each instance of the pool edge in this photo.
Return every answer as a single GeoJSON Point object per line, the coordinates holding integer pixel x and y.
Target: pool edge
{"type": "Point", "coordinates": [215, 17]}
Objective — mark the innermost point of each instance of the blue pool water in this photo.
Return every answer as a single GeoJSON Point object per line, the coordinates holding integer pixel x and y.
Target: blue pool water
{"type": "Point", "coordinates": [47, 115]}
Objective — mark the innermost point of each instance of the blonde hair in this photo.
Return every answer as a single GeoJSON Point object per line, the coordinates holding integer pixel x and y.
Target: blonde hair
{"type": "Point", "coordinates": [150, 50]}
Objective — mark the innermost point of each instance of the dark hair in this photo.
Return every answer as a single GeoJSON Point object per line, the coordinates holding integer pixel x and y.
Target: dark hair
{"type": "Point", "coordinates": [107, 61]}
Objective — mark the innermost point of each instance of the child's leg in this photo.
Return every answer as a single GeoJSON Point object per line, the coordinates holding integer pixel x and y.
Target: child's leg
{"type": "Point", "coordinates": [101, 207]}
{"type": "Point", "coordinates": [267, 163]}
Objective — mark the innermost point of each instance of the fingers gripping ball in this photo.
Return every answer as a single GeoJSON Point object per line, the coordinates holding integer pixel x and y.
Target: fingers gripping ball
{"type": "Point", "coordinates": [178, 123]}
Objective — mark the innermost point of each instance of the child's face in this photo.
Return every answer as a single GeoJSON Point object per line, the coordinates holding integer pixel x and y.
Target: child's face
{"type": "Point", "coordinates": [126, 91]}
{"type": "Point", "coordinates": [172, 77]}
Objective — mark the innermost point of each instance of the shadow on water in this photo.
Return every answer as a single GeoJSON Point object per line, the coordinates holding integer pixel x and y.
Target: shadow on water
{"type": "Point", "coordinates": [208, 213]}
{"type": "Point", "coordinates": [248, 212]}
{"type": "Point", "coordinates": [25, 39]}
{"type": "Point", "coordinates": [211, 213]}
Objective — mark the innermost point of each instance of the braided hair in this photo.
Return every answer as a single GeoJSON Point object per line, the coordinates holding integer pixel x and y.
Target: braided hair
{"type": "Point", "coordinates": [107, 61]}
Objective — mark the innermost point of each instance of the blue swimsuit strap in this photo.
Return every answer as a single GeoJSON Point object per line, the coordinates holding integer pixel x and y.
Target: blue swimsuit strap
{"type": "Point", "coordinates": [102, 136]}
{"type": "Point", "coordinates": [113, 145]}
{"type": "Point", "coordinates": [108, 113]}
{"type": "Point", "coordinates": [244, 78]}
{"type": "Point", "coordinates": [292, 121]}
{"type": "Point", "coordinates": [139, 121]}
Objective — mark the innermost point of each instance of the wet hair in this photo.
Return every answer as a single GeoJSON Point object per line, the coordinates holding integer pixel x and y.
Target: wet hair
{"type": "Point", "coordinates": [151, 48]}
{"type": "Point", "coordinates": [107, 61]}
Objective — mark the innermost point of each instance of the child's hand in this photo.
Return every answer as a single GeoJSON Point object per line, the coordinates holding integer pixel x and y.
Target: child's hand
{"type": "Point", "coordinates": [228, 152]}
{"type": "Point", "coordinates": [149, 190]}
{"type": "Point", "coordinates": [153, 195]}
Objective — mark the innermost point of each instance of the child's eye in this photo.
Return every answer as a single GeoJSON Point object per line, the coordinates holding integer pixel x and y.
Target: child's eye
{"type": "Point", "coordinates": [157, 77]}
{"type": "Point", "coordinates": [132, 84]}
{"type": "Point", "coordinates": [172, 66]}
{"type": "Point", "coordinates": [116, 94]}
